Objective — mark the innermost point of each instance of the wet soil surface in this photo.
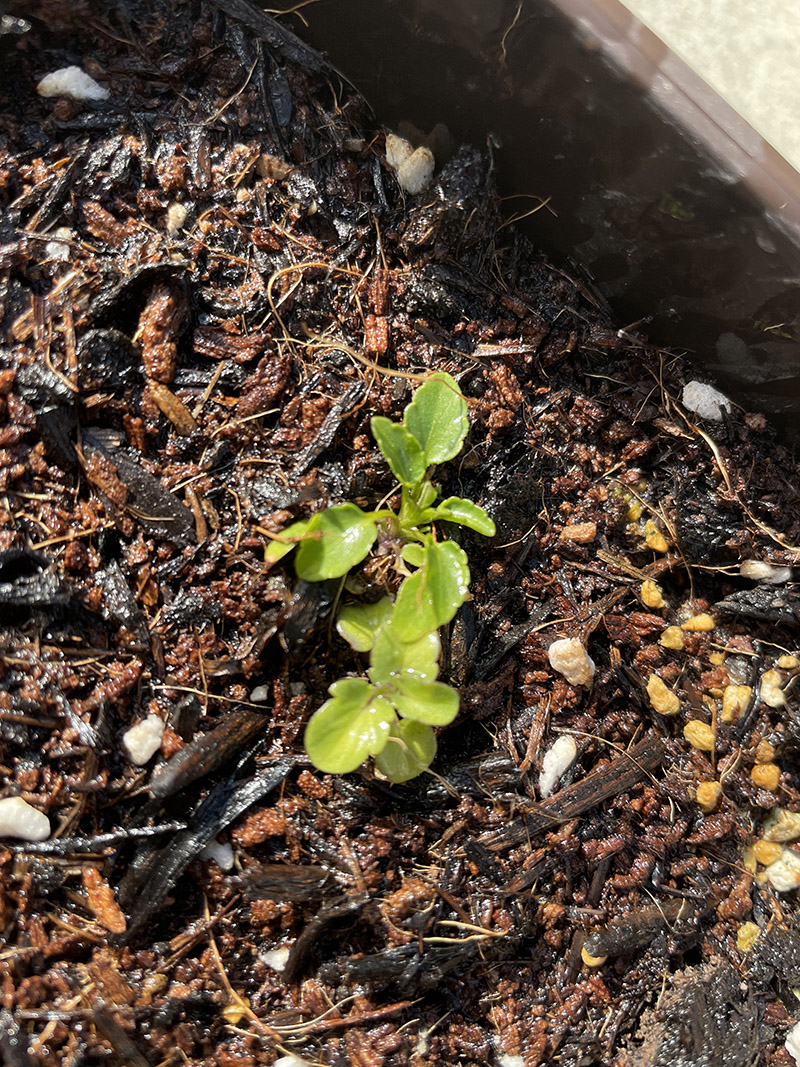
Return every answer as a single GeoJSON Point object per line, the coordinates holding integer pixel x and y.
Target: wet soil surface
{"type": "Point", "coordinates": [207, 283]}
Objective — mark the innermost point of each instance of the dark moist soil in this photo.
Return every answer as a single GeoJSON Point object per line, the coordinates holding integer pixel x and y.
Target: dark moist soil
{"type": "Point", "coordinates": [173, 391]}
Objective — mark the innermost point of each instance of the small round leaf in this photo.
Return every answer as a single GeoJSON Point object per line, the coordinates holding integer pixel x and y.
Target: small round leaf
{"type": "Point", "coordinates": [433, 703]}
{"type": "Point", "coordinates": [465, 513]}
{"type": "Point", "coordinates": [431, 597]}
{"type": "Point", "coordinates": [392, 659]}
{"type": "Point", "coordinates": [401, 450]}
{"type": "Point", "coordinates": [287, 541]}
{"type": "Point", "coordinates": [354, 724]}
{"type": "Point", "coordinates": [358, 623]}
{"type": "Point", "coordinates": [413, 553]}
{"type": "Point", "coordinates": [337, 539]}
{"type": "Point", "coordinates": [425, 495]}
{"type": "Point", "coordinates": [409, 751]}
{"type": "Point", "coordinates": [437, 417]}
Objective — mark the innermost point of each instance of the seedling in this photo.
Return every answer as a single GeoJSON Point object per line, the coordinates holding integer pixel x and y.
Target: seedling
{"type": "Point", "coordinates": [391, 713]}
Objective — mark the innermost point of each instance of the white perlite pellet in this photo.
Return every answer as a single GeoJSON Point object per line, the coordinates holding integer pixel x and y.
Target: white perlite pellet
{"type": "Point", "coordinates": [18, 818]}
{"type": "Point", "coordinates": [557, 760]}
{"type": "Point", "coordinates": [291, 1061]}
{"type": "Point", "coordinates": [759, 571]}
{"type": "Point", "coordinates": [784, 874]}
{"type": "Point", "coordinates": [793, 1043]}
{"type": "Point", "coordinates": [176, 216]}
{"type": "Point", "coordinates": [413, 167]}
{"type": "Point", "coordinates": [59, 249]}
{"type": "Point", "coordinates": [220, 852]}
{"type": "Point", "coordinates": [72, 82]}
{"type": "Point", "coordinates": [415, 174]}
{"type": "Point", "coordinates": [771, 689]}
{"type": "Point", "coordinates": [398, 150]}
{"type": "Point", "coordinates": [705, 401]}
{"type": "Point", "coordinates": [568, 656]}
{"type": "Point", "coordinates": [143, 740]}
{"type": "Point", "coordinates": [781, 825]}
{"type": "Point", "coordinates": [276, 958]}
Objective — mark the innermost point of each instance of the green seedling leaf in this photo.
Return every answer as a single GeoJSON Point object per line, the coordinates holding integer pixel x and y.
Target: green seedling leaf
{"type": "Point", "coordinates": [437, 417]}
{"type": "Point", "coordinates": [401, 450]}
{"type": "Point", "coordinates": [355, 723]}
{"type": "Point", "coordinates": [425, 495]}
{"type": "Point", "coordinates": [358, 623]}
{"type": "Point", "coordinates": [344, 535]}
{"type": "Point", "coordinates": [431, 597]}
{"type": "Point", "coordinates": [409, 751]}
{"type": "Point", "coordinates": [413, 553]}
{"type": "Point", "coordinates": [433, 703]}
{"type": "Point", "coordinates": [285, 542]}
{"type": "Point", "coordinates": [465, 513]}
{"type": "Point", "coordinates": [391, 659]}
{"type": "Point", "coordinates": [415, 506]}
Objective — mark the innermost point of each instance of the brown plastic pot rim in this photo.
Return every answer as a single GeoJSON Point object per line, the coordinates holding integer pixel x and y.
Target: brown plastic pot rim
{"type": "Point", "coordinates": [691, 103]}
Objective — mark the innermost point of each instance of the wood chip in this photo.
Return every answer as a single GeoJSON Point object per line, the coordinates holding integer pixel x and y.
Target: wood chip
{"type": "Point", "coordinates": [173, 407]}
{"type": "Point", "coordinates": [596, 787]}
{"type": "Point", "coordinates": [102, 903]}
{"type": "Point", "coordinates": [582, 533]}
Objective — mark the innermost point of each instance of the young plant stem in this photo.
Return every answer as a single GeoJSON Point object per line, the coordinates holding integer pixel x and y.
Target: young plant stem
{"type": "Point", "coordinates": [392, 716]}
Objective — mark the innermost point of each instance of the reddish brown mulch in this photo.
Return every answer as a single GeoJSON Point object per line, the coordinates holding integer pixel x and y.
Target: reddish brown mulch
{"type": "Point", "coordinates": [241, 275]}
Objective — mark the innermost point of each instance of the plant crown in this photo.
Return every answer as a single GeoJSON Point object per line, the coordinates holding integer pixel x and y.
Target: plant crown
{"type": "Point", "coordinates": [391, 713]}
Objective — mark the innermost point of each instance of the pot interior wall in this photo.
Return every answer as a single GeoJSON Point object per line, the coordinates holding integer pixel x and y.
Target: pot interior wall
{"type": "Point", "coordinates": [667, 235]}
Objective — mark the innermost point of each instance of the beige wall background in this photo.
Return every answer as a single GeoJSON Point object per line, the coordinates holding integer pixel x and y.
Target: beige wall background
{"type": "Point", "coordinates": [747, 50]}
